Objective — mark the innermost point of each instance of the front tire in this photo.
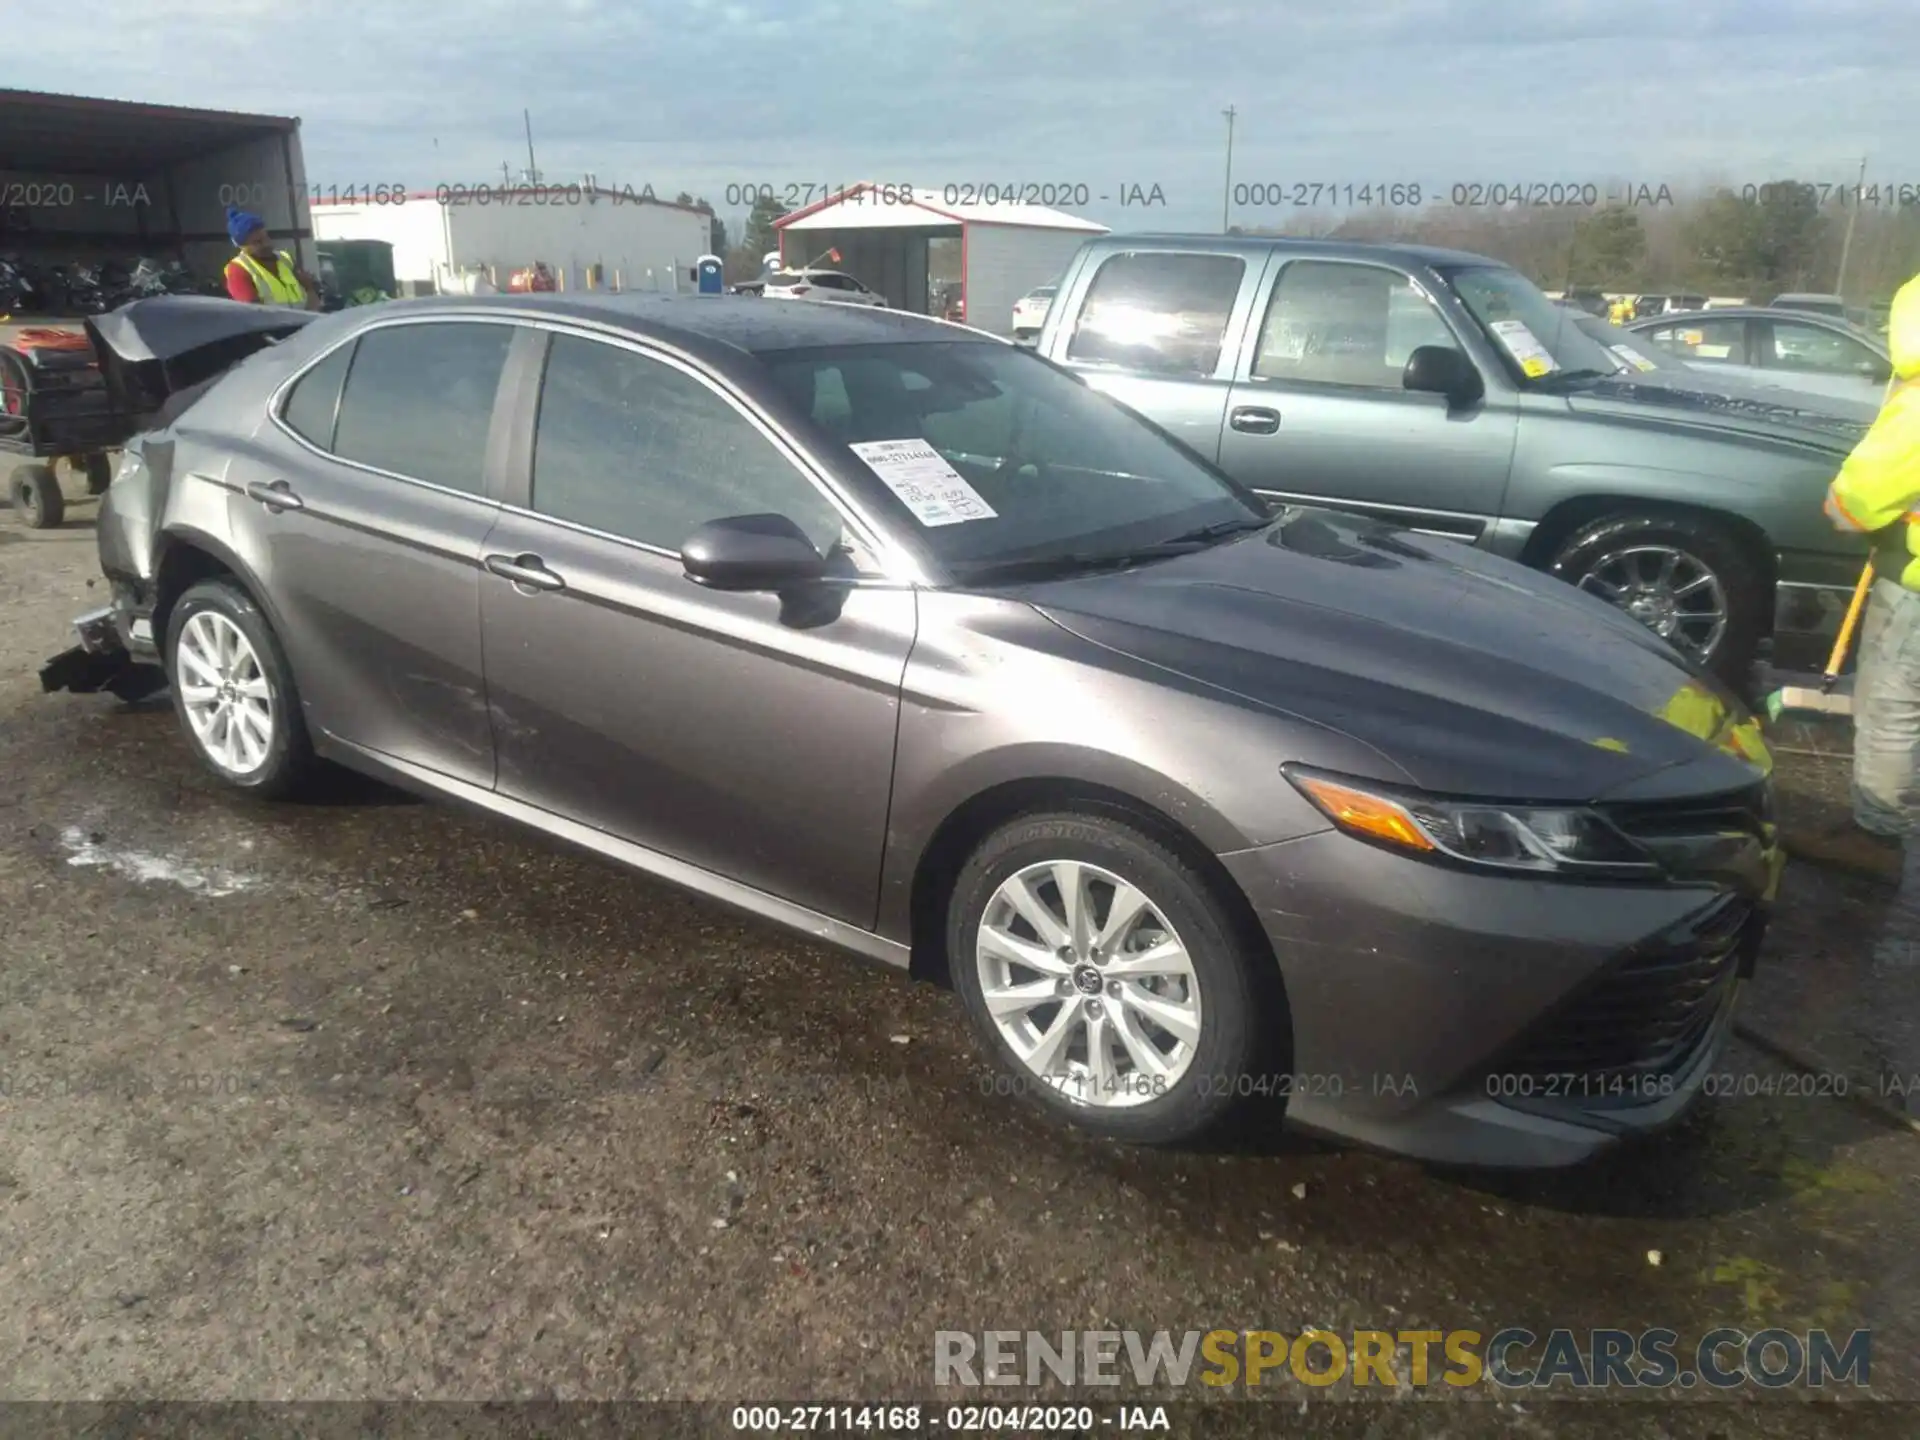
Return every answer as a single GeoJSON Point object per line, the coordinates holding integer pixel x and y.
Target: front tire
{"type": "Point", "coordinates": [1685, 577]}
{"type": "Point", "coordinates": [234, 692]}
{"type": "Point", "coordinates": [1107, 980]}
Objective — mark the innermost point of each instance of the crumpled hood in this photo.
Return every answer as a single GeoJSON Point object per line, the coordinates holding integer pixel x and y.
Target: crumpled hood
{"type": "Point", "coordinates": [1749, 410]}
{"type": "Point", "coordinates": [1467, 674]}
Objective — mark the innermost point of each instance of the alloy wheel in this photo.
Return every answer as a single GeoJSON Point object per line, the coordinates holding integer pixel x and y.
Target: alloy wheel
{"type": "Point", "coordinates": [229, 704]}
{"type": "Point", "coordinates": [1088, 984]}
{"type": "Point", "coordinates": [1674, 594]}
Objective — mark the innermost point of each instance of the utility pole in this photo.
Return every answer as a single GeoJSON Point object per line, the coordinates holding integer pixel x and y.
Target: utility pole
{"type": "Point", "coordinates": [1846, 242]}
{"type": "Point", "coordinates": [1226, 200]}
{"type": "Point", "coordinates": [533, 172]}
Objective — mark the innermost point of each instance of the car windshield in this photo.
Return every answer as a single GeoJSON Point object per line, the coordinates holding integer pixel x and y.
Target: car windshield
{"type": "Point", "coordinates": [1539, 340]}
{"type": "Point", "coordinates": [1011, 464]}
{"type": "Point", "coordinates": [1632, 351]}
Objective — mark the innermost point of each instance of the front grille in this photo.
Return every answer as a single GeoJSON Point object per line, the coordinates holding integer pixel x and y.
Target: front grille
{"type": "Point", "coordinates": [1726, 841]}
{"type": "Point", "coordinates": [1645, 1016]}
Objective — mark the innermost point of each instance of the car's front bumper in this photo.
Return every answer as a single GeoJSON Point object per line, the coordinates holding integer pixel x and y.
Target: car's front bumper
{"type": "Point", "coordinates": [1483, 1019]}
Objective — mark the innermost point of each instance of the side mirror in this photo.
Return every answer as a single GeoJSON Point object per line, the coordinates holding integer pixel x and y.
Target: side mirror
{"type": "Point", "coordinates": [751, 552]}
{"type": "Point", "coordinates": [1443, 370]}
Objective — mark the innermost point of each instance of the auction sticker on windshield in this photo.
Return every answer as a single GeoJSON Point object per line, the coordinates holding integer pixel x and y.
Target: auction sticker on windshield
{"type": "Point", "coordinates": [1528, 353]}
{"type": "Point", "coordinates": [920, 475]}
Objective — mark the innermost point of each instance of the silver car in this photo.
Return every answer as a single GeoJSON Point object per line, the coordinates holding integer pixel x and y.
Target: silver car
{"type": "Point", "coordinates": [1648, 364]}
{"type": "Point", "coordinates": [1797, 348]}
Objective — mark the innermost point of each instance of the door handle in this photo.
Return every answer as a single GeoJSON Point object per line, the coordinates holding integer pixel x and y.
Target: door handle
{"type": "Point", "coordinates": [1254, 419]}
{"type": "Point", "coordinates": [527, 572]}
{"type": "Point", "coordinates": [275, 495]}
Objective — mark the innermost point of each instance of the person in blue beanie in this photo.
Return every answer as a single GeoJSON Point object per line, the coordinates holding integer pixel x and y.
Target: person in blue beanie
{"type": "Point", "coordinates": [261, 275]}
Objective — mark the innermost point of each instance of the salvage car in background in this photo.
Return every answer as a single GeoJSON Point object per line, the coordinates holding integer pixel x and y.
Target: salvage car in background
{"type": "Point", "coordinates": [1030, 312]}
{"type": "Point", "coordinates": [1806, 350]}
{"type": "Point", "coordinates": [1655, 366]}
{"type": "Point", "coordinates": [973, 670]}
{"type": "Point", "coordinates": [819, 285]}
{"type": "Point", "coordinates": [1444, 392]}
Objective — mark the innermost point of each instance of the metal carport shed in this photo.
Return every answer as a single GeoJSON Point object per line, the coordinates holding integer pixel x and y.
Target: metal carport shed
{"type": "Point", "coordinates": [906, 245]}
{"type": "Point", "coordinates": [89, 179]}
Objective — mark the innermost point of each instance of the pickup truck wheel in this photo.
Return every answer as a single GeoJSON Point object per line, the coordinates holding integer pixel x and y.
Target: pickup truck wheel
{"type": "Point", "coordinates": [1685, 578]}
{"type": "Point", "coordinates": [234, 691]}
{"type": "Point", "coordinates": [37, 501]}
{"type": "Point", "coordinates": [1109, 983]}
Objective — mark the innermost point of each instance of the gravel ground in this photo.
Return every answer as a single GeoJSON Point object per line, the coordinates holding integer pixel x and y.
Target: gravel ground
{"type": "Point", "coordinates": [366, 1099]}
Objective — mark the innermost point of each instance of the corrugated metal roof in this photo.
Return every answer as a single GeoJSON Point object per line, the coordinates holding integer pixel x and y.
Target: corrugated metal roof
{"type": "Point", "coordinates": [80, 134]}
{"type": "Point", "coordinates": [870, 206]}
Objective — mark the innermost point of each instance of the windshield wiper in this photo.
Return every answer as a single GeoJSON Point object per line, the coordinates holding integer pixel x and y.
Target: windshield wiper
{"type": "Point", "coordinates": [1219, 530]}
{"type": "Point", "coordinates": [1583, 374]}
{"type": "Point", "coordinates": [1083, 562]}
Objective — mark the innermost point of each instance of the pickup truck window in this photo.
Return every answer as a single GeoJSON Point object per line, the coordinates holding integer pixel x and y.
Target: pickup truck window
{"type": "Point", "coordinates": [1162, 312]}
{"type": "Point", "coordinates": [1345, 324]}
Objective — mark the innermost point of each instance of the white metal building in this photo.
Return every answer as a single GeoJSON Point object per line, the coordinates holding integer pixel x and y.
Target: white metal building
{"type": "Point", "coordinates": [590, 237]}
{"type": "Point", "coordinates": [891, 243]}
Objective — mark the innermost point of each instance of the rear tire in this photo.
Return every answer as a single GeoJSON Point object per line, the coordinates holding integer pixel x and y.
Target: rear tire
{"type": "Point", "coordinates": [1180, 1004]}
{"type": "Point", "coordinates": [37, 501]}
{"type": "Point", "coordinates": [234, 692]}
{"type": "Point", "coordinates": [1670, 571]}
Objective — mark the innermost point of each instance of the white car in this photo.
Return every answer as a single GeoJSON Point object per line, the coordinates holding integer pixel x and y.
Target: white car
{"type": "Point", "coordinates": [1030, 312]}
{"type": "Point", "coordinates": [820, 285]}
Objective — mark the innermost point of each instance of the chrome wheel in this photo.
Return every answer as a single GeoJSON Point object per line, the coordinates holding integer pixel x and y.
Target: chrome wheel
{"type": "Point", "coordinates": [1672, 593]}
{"type": "Point", "coordinates": [224, 692]}
{"type": "Point", "coordinates": [1088, 984]}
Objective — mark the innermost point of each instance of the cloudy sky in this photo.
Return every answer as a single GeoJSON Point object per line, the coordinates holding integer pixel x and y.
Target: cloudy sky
{"type": "Point", "coordinates": [701, 95]}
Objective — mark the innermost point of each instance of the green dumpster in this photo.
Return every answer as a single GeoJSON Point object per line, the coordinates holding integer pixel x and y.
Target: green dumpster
{"type": "Point", "coordinates": [358, 272]}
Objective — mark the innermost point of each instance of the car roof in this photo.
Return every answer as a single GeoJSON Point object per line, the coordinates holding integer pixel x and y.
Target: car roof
{"type": "Point", "coordinates": [1821, 296]}
{"type": "Point", "coordinates": [1761, 312]}
{"type": "Point", "coordinates": [722, 327]}
{"type": "Point", "coordinates": [1357, 249]}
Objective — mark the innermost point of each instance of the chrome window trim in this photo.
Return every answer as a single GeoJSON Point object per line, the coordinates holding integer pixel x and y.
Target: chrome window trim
{"type": "Point", "coordinates": [897, 567]}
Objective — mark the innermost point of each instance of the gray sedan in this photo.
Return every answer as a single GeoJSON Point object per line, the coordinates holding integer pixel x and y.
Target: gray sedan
{"type": "Point", "coordinates": [1796, 349]}
{"type": "Point", "coordinates": [1650, 364]}
{"type": "Point", "coordinates": [904, 638]}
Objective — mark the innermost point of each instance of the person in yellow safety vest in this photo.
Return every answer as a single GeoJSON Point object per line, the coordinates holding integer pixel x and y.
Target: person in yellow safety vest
{"type": "Point", "coordinates": [1876, 493]}
{"type": "Point", "coordinates": [261, 275]}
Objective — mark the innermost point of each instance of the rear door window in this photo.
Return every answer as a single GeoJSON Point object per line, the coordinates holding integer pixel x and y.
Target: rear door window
{"type": "Point", "coordinates": [1817, 349]}
{"type": "Point", "coordinates": [1160, 312]}
{"type": "Point", "coordinates": [419, 401]}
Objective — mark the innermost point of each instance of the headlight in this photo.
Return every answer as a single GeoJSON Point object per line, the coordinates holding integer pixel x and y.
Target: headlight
{"type": "Point", "coordinates": [1566, 840]}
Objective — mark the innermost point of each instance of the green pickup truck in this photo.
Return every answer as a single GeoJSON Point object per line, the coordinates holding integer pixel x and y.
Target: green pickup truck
{"type": "Point", "coordinates": [1445, 392]}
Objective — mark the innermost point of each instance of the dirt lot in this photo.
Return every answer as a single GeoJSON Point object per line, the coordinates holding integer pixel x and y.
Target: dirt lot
{"type": "Point", "coordinates": [367, 1099]}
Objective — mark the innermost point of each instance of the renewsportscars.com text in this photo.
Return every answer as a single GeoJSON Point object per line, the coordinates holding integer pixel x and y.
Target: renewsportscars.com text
{"type": "Point", "coordinates": [1511, 1358]}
